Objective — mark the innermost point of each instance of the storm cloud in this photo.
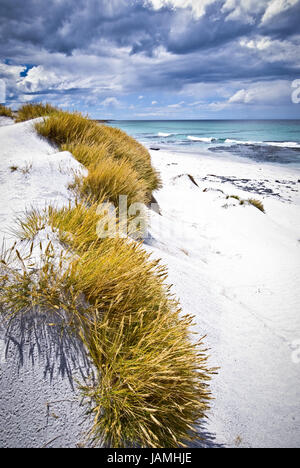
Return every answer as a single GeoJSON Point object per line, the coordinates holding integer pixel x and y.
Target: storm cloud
{"type": "Point", "coordinates": [100, 55]}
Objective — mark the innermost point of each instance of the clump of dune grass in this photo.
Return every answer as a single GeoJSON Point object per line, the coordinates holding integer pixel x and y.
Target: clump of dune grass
{"type": "Point", "coordinates": [5, 111]}
{"type": "Point", "coordinates": [67, 128]}
{"type": "Point", "coordinates": [251, 201]}
{"type": "Point", "coordinates": [122, 146]}
{"type": "Point", "coordinates": [75, 225]}
{"type": "Point", "coordinates": [19, 290]}
{"type": "Point", "coordinates": [30, 224]}
{"type": "Point", "coordinates": [34, 110]}
{"type": "Point", "coordinates": [109, 179]}
{"type": "Point", "coordinates": [234, 197]}
{"type": "Point", "coordinates": [151, 385]}
{"type": "Point", "coordinates": [91, 143]}
{"type": "Point", "coordinates": [152, 382]}
{"type": "Point", "coordinates": [257, 204]}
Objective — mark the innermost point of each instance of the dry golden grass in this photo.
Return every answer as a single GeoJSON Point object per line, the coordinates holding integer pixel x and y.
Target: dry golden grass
{"type": "Point", "coordinates": [152, 381]}
{"type": "Point", "coordinates": [20, 288]}
{"type": "Point", "coordinates": [32, 111]}
{"type": "Point", "coordinates": [91, 143]}
{"type": "Point", "coordinates": [30, 224]}
{"type": "Point", "coordinates": [76, 226]}
{"type": "Point", "coordinates": [257, 204]}
{"type": "Point", "coordinates": [122, 146]}
{"type": "Point", "coordinates": [114, 271]}
{"type": "Point", "coordinates": [251, 201]}
{"type": "Point", "coordinates": [234, 197]}
{"type": "Point", "coordinates": [109, 179]}
{"type": "Point", "coordinates": [5, 111]}
{"type": "Point", "coordinates": [87, 155]}
{"type": "Point", "coordinates": [151, 384]}
{"type": "Point", "coordinates": [66, 128]}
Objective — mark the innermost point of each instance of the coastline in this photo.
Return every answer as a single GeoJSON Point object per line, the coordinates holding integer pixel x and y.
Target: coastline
{"type": "Point", "coordinates": [233, 267]}
{"type": "Point", "coordinates": [237, 270]}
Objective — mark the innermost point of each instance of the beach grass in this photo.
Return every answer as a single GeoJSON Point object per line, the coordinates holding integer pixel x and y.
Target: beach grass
{"type": "Point", "coordinates": [151, 383]}
{"type": "Point", "coordinates": [110, 179]}
{"type": "Point", "coordinates": [257, 204]}
{"type": "Point", "coordinates": [91, 143]}
{"type": "Point", "coordinates": [34, 110]}
{"type": "Point", "coordinates": [5, 111]}
{"type": "Point", "coordinates": [250, 201]}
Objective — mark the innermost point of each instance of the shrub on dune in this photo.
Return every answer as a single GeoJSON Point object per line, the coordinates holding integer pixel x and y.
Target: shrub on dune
{"type": "Point", "coordinates": [5, 111]}
{"type": "Point", "coordinates": [32, 111]}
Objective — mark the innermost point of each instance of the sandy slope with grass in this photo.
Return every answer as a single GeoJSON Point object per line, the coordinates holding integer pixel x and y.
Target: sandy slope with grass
{"type": "Point", "coordinates": [78, 302]}
{"type": "Point", "coordinates": [232, 266]}
{"type": "Point", "coordinates": [38, 370]}
{"type": "Point", "coordinates": [238, 271]}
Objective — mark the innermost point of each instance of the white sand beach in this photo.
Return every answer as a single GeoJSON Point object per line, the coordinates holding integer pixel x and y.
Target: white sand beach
{"type": "Point", "coordinates": [233, 267]}
{"type": "Point", "coordinates": [238, 271]}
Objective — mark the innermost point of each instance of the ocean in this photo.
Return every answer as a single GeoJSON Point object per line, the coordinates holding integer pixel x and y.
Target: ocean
{"type": "Point", "coordinates": [273, 141]}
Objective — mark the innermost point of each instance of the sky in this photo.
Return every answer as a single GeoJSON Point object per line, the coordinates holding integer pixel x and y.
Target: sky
{"type": "Point", "coordinates": [153, 59]}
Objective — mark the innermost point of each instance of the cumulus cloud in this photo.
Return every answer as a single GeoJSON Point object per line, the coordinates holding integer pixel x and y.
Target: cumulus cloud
{"type": "Point", "coordinates": [241, 96]}
{"type": "Point", "coordinates": [262, 93]}
{"type": "Point", "coordinates": [87, 53]}
{"type": "Point", "coordinates": [38, 79]}
{"type": "Point", "coordinates": [176, 106]}
{"type": "Point", "coordinates": [275, 7]}
{"type": "Point", "coordinates": [11, 72]}
{"type": "Point", "coordinates": [110, 102]}
{"type": "Point", "coordinates": [245, 11]}
{"type": "Point", "coordinates": [198, 7]}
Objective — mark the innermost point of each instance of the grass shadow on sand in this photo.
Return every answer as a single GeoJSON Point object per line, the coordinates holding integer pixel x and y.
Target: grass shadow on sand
{"type": "Point", "coordinates": [40, 339]}
{"type": "Point", "coordinates": [207, 439]}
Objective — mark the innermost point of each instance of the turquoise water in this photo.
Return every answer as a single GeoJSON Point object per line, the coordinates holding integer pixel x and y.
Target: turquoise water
{"type": "Point", "coordinates": [275, 141]}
